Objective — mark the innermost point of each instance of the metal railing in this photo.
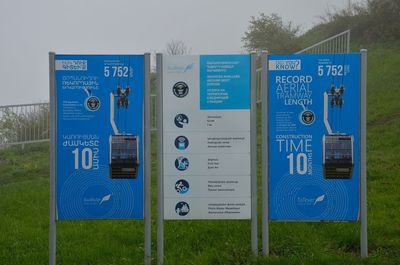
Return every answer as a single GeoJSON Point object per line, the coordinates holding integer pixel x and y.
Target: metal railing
{"type": "Point", "coordinates": [29, 123]}
{"type": "Point", "coordinates": [339, 43]}
{"type": "Point", "coordinates": [25, 123]}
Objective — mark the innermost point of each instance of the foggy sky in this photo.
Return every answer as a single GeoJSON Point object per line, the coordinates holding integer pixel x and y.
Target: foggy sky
{"type": "Point", "coordinates": [30, 29]}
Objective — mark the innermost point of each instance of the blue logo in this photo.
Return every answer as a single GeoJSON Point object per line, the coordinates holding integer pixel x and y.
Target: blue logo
{"type": "Point", "coordinates": [97, 200]}
{"type": "Point", "coordinates": [181, 163]}
{"type": "Point", "coordinates": [180, 120]}
{"type": "Point", "coordinates": [181, 142]}
{"type": "Point", "coordinates": [180, 68]}
{"type": "Point", "coordinates": [182, 208]}
{"type": "Point", "coordinates": [182, 186]}
{"type": "Point", "coordinates": [188, 67]}
{"type": "Point", "coordinates": [311, 201]}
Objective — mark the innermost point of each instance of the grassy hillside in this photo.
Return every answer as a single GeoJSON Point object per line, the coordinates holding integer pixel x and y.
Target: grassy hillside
{"type": "Point", "coordinates": [24, 190]}
{"type": "Point", "coordinates": [371, 22]}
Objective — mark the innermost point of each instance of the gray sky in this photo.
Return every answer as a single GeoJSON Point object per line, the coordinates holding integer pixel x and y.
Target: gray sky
{"type": "Point", "coordinates": [30, 29]}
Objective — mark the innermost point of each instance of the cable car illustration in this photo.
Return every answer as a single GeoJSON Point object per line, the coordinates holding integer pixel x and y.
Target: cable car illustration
{"type": "Point", "coordinates": [338, 148]}
{"type": "Point", "coordinates": [124, 147]}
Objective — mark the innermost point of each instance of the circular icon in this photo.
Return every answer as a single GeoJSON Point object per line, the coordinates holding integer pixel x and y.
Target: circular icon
{"type": "Point", "coordinates": [181, 163]}
{"type": "Point", "coordinates": [182, 208]}
{"type": "Point", "coordinates": [182, 186]}
{"type": "Point", "coordinates": [92, 103]}
{"type": "Point", "coordinates": [180, 120]}
{"type": "Point", "coordinates": [181, 142]}
{"type": "Point", "coordinates": [307, 117]}
{"type": "Point", "coordinates": [180, 89]}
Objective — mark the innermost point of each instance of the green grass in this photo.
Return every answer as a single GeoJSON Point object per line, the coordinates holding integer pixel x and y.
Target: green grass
{"type": "Point", "coordinates": [24, 208]}
{"type": "Point", "coordinates": [383, 85]}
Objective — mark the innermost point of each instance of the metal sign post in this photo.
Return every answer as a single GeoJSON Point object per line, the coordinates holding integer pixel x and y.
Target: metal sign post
{"type": "Point", "coordinates": [160, 161]}
{"type": "Point", "coordinates": [363, 155]}
{"type": "Point", "coordinates": [53, 144]}
{"type": "Point", "coordinates": [264, 150]}
{"type": "Point", "coordinates": [147, 164]}
{"type": "Point", "coordinates": [253, 154]}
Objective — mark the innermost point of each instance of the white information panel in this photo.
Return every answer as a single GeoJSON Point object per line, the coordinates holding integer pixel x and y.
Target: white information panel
{"type": "Point", "coordinates": [206, 137]}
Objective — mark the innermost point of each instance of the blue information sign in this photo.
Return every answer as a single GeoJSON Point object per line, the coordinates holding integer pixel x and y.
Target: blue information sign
{"type": "Point", "coordinates": [224, 80]}
{"type": "Point", "coordinates": [99, 136]}
{"type": "Point", "coordinates": [314, 113]}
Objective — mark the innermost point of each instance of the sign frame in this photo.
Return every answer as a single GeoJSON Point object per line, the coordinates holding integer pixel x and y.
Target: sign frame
{"type": "Point", "coordinates": [146, 155]}
{"type": "Point", "coordinates": [160, 158]}
{"type": "Point", "coordinates": [265, 154]}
